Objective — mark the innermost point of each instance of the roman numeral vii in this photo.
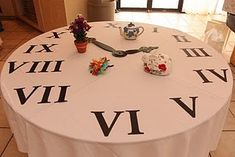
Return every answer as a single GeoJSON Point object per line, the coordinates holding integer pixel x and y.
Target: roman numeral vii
{"type": "Point", "coordinates": [45, 93]}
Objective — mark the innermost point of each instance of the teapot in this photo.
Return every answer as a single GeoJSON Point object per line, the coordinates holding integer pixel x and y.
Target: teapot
{"type": "Point", "coordinates": [157, 63]}
{"type": "Point", "coordinates": [131, 32]}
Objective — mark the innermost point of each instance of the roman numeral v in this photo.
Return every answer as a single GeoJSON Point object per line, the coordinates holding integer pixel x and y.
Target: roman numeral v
{"type": "Point", "coordinates": [191, 112]}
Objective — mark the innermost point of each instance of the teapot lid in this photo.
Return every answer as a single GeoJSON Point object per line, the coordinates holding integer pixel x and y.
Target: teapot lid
{"type": "Point", "coordinates": [131, 25]}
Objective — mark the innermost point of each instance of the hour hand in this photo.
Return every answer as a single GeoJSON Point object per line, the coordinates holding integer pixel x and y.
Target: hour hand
{"type": "Point", "coordinates": [148, 49]}
{"type": "Point", "coordinates": [101, 45]}
{"type": "Point", "coordinates": [91, 40]}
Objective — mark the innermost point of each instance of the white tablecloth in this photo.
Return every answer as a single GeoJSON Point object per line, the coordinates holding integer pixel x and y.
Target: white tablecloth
{"type": "Point", "coordinates": [55, 107]}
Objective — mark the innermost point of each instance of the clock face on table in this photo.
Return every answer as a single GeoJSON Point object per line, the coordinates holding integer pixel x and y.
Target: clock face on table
{"type": "Point", "coordinates": [48, 83]}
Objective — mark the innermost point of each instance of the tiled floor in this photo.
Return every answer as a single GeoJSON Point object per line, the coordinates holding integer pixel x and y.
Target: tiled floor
{"type": "Point", "coordinates": [16, 33]}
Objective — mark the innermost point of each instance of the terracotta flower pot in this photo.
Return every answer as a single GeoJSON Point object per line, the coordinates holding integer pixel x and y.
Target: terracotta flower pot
{"type": "Point", "coordinates": [81, 47]}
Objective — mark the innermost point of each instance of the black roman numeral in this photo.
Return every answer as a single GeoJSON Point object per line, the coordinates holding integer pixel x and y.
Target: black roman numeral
{"type": "Point", "coordinates": [191, 112]}
{"type": "Point", "coordinates": [12, 66]}
{"type": "Point", "coordinates": [46, 48]}
{"type": "Point", "coordinates": [56, 66]}
{"type": "Point", "coordinates": [134, 122]}
{"type": "Point", "coordinates": [107, 129]}
{"type": "Point", "coordinates": [222, 77]}
{"type": "Point", "coordinates": [46, 94]}
{"type": "Point", "coordinates": [104, 126]}
{"type": "Point", "coordinates": [22, 96]}
{"type": "Point", "coordinates": [195, 52]}
{"type": "Point", "coordinates": [180, 38]}
{"type": "Point", "coordinates": [56, 35]}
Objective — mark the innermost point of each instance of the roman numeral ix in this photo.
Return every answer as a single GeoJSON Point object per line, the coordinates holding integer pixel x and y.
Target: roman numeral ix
{"type": "Point", "coordinates": [45, 48]}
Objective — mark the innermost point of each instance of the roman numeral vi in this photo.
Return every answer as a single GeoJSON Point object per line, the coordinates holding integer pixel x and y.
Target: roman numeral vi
{"type": "Point", "coordinates": [106, 129]}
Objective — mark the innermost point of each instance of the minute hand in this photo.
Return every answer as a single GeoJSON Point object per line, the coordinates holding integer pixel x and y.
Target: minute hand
{"type": "Point", "coordinates": [103, 46]}
{"type": "Point", "coordinates": [114, 52]}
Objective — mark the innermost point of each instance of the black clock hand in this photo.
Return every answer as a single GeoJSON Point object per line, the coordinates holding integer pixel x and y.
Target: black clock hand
{"type": "Point", "coordinates": [116, 53]}
{"type": "Point", "coordinates": [101, 45]}
{"type": "Point", "coordinates": [120, 53]}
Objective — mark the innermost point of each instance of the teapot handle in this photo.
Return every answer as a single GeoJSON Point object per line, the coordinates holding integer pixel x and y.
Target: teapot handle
{"type": "Point", "coordinates": [141, 30]}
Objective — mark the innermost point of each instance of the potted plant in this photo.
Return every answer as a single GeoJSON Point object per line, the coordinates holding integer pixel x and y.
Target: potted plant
{"type": "Point", "coordinates": [79, 28]}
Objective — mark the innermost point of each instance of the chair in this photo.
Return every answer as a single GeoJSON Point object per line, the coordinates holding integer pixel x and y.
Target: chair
{"type": "Point", "coordinates": [217, 34]}
{"type": "Point", "coordinates": [231, 24]}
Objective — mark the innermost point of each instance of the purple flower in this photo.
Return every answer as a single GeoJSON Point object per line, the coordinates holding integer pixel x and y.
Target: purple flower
{"type": "Point", "coordinates": [79, 27]}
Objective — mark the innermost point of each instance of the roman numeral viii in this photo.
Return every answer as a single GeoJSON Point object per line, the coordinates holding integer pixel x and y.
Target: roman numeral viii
{"type": "Point", "coordinates": [37, 66]}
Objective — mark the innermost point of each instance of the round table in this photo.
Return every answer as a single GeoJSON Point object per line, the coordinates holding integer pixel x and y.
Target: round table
{"type": "Point", "coordinates": [55, 107]}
